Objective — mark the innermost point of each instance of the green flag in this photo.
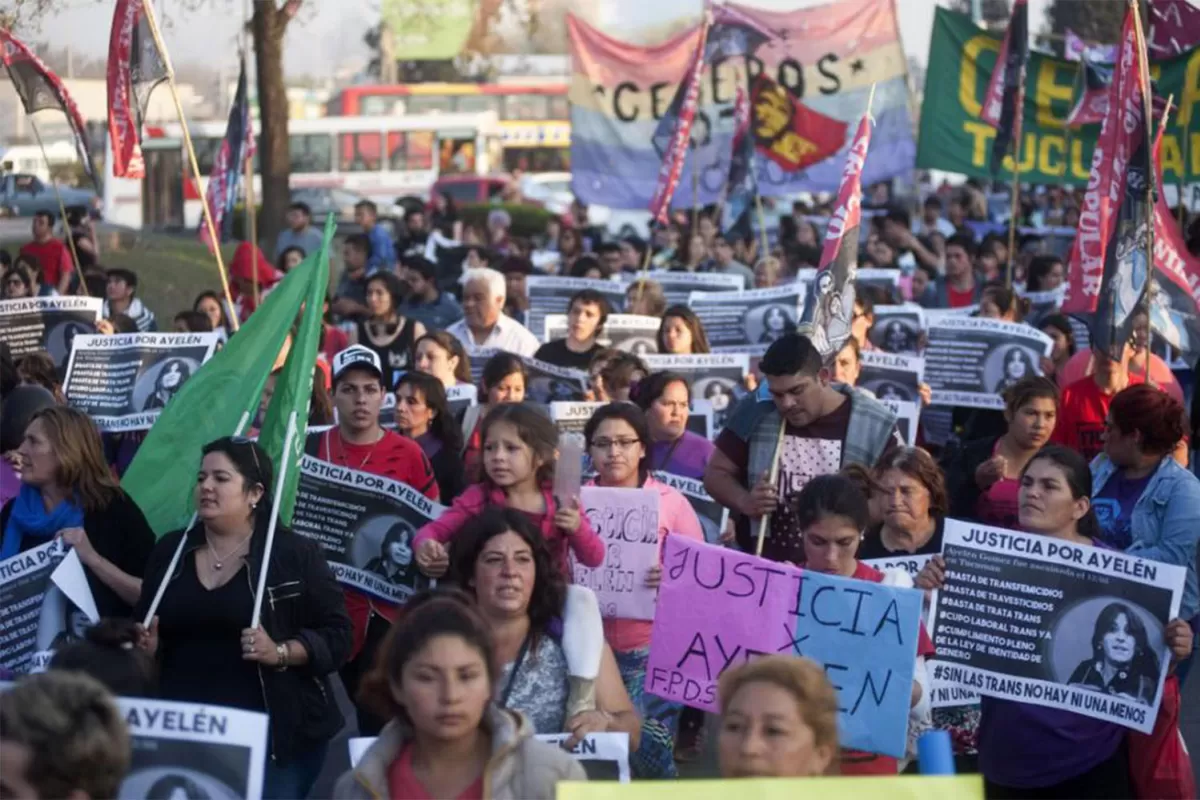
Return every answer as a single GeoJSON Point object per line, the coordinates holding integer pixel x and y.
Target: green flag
{"type": "Point", "coordinates": [222, 395]}
{"type": "Point", "coordinates": [293, 387]}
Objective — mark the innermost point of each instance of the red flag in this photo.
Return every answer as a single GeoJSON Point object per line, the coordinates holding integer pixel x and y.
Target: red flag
{"type": "Point", "coordinates": [1123, 128]}
{"type": "Point", "coordinates": [40, 89]}
{"type": "Point", "coordinates": [1175, 304]}
{"type": "Point", "coordinates": [676, 152]}
{"type": "Point", "coordinates": [134, 67]}
{"type": "Point", "coordinates": [1004, 102]}
{"type": "Point", "coordinates": [788, 132]}
{"type": "Point", "coordinates": [830, 307]}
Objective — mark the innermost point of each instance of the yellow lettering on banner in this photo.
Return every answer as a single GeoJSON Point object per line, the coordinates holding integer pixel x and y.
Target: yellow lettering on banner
{"type": "Point", "coordinates": [864, 787]}
{"type": "Point", "coordinates": [1048, 165]}
{"type": "Point", "coordinates": [1028, 152]}
{"type": "Point", "coordinates": [1172, 157]}
{"type": "Point", "coordinates": [1190, 92]}
{"type": "Point", "coordinates": [1046, 90]}
{"type": "Point", "coordinates": [968, 77]}
{"type": "Point", "coordinates": [981, 135]}
{"type": "Point", "coordinates": [1194, 153]}
{"type": "Point", "coordinates": [1078, 168]}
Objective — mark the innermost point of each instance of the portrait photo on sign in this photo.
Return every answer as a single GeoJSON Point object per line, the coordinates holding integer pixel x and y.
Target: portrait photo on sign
{"type": "Point", "coordinates": [717, 392]}
{"type": "Point", "coordinates": [168, 769]}
{"type": "Point", "coordinates": [896, 335]}
{"type": "Point", "coordinates": [765, 324]}
{"type": "Point", "coordinates": [1110, 645]}
{"type": "Point", "coordinates": [891, 390]}
{"type": "Point", "coordinates": [60, 338]}
{"type": "Point", "coordinates": [161, 380]}
{"type": "Point", "coordinates": [60, 622]}
{"type": "Point", "coordinates": [638, 346]}
{"type": "Point", "coordinates": [1006, 366]}
{"type": "Point", "coordinates": [383, 546]}
{"type": "Point", "coordinates": [544, 389]}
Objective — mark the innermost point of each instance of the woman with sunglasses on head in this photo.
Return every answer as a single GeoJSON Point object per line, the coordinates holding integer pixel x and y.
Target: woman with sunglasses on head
{"type": "Point", "coordinates": [1029, 751]}
{"type": "Point", "coordinates": [200, 634]}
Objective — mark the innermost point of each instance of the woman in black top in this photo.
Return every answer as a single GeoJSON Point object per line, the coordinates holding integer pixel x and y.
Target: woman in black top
{"type": "Point", "coordinates": [423, 415]}
{"type": "Point", "coordinates": [200, 634]}
{"type": "Point", "coordinates": [67, 490]}
{"type": "Point", "coordinates": [387, 332]}
{"type": "Point", "coordinates": [586, 314]}
{"type": "Point", "coordinates": [912, 498]}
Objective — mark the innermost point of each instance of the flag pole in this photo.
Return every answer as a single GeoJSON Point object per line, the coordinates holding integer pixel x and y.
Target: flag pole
{"type": "Point", "coordinates": [62, 209]}
{"type": "Point", "coordinates": [1183, 171]}
{"type": "Point", "coordinates": [1016, 199]}
{"type": "Point", "coordinates": [1148, 114]}
{"type": "Point", "coordinates": [206, 212]}
{"type": "Point", "coordinates": [251, 202]}
{"type": "Point", "coordinates": [274, 522]}
{"type": "Point", "coordinates": [771, 478]}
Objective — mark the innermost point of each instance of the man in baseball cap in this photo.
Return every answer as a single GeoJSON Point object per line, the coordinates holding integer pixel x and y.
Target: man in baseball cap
{"type": "Point", "coordinates": [360, 443]}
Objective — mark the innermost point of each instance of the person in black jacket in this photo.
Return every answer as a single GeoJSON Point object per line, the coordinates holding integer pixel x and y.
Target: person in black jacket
{"type": "Point", "coordinates": [67, 490]}
{"type": "Point", "coordinates": [200, 633]}
{"type": "Point", "coordinates": [982, 475]}
{"type": "Point", "coordinates": [423, 415]}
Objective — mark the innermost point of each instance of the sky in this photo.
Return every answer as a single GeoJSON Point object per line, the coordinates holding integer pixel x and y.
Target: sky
{"type": "Point", "coordinates": [329, 33]}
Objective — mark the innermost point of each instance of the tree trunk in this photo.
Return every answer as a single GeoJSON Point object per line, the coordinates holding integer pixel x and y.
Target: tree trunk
{"type": "Point", "coordinates": [269, 27]}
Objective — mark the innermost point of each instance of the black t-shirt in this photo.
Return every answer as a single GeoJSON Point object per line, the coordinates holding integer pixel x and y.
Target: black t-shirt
{"type": "Point", "coordinates": [558, 354]}
{"type": "Point", "coordinates": [872, 544]}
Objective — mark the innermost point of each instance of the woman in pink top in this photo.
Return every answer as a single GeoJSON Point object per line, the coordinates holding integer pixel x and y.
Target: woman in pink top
{"type": "Point", "coordinates": [618, 440]}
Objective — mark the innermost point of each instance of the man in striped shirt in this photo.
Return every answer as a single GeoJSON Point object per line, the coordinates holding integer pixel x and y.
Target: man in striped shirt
{"type": "Point", "coordinates": [119, 299]}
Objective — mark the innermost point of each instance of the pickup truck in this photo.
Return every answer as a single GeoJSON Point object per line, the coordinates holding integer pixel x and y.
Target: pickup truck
{"type": "Point", "coordinates": [23, 195]}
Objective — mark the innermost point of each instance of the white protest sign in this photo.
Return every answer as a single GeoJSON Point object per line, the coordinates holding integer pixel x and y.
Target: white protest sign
{"type": "Point", "coordinates": [1050, 622]}
{"type": "Point", "coordinates": [627, 522]}
{"type": "Point", "coordinates": [70, 579]}
{"type": "Point", "coordinates": [192, 750]}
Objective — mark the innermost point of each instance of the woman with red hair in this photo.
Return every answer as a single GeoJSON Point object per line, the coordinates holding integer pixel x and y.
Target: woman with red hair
{"type": "Point", "coordinates": [1146, 502]}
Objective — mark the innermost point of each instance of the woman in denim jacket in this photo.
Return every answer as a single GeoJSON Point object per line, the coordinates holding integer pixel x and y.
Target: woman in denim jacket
{"type": "Point", "coordinates": [1147, 504]}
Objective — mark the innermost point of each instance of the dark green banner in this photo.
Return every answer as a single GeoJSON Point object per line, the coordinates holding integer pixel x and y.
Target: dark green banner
{"type": "Point", "coordinates": [953, 138]}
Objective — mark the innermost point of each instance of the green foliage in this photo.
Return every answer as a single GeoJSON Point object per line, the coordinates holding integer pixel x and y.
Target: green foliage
{"type": "Point", "coordinates": [526, 220]}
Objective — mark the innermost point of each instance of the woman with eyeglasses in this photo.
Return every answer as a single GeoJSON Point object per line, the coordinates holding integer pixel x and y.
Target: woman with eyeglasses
{"type": "Point", "coordinates": [617, 439]}
{"type": "Point", "coordinates": [200, 634]}
{"type": "Point", "coordinates": [16, 283]}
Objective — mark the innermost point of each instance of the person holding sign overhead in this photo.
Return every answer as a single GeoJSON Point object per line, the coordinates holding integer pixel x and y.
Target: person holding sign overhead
{"type": "Point", "coordinates": [617, 436]}
{"type": "Point", "coordinates": [810, 426]}
{"type": "Point", "coordinates": [832, 513]}
{"type": "Point", "coordinates": [68, 491]}
{"type": "Point", "coordinates": [502, 560]}
{"type": "Point", "coordinates": [1032, 751]}
{"type": "Point", "coordinates": [358, 442]}
{"type": "Point", "coordinates": [435, 682]}
{"type": "Point", "coordinates": [779, 719]}
{"type": "Point", "coordinates": [200, 636]}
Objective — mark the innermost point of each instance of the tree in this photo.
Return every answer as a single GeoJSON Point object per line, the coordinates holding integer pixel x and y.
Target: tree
{"type": "Point", "coordinates": [268, 27]}
{"type": "Point", "coordinates": [1093, 22]}
{"type": "Point", "coordinates": [996, 13]}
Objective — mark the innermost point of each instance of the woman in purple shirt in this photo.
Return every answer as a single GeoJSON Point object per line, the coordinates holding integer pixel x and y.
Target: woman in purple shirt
{"type": "Point", "coordinates": [1025, 750]}
{"type": "Point", "coordinates": [666, 398]}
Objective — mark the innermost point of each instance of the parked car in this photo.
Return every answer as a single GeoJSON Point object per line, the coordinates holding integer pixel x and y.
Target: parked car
{"type": "Point", "coordinates": [23, 195]}
{"type": "Point", "coordinates": [472, 188]}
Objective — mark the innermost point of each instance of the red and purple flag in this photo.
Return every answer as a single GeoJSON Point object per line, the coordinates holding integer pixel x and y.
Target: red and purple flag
{"type": "Point", "coordinates": [830, 304]}
{"type": "Point", "coordinates": [40, 89]}
{"type": "Point", "coordinates": [1175, 297]}
{"type": "Point", "coordinates": [1174, 28]}
{"type": "Point", "coordinates": [1004, 102]}
{"type": "Point", "coordinates": [230, 162]}
{"type": "Point", "coordinates": [1120, 134]}
{"type": "Point", "coordinates": [135, 67]}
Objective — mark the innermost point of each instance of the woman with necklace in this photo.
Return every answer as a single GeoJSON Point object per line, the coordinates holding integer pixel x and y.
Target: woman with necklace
{"type": "Point", "coordinates": [666, 399]}
{"type": "Point", "coordinates": [200, 634]}
{"type": "Point", "coordinates": [386, 331]}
